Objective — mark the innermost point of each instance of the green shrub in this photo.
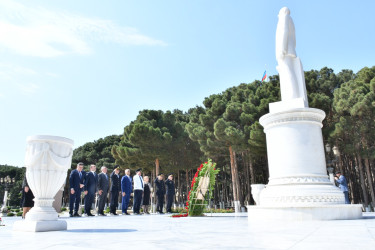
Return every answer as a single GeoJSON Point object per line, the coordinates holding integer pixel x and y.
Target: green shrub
{"type": "Point", "coordinates": [107, 210]}
{"type": "Point", "coordinates": [63, 209]}
{"type": "Point", "coordinates": [10, 214]}
{"type": "Point", "coordinates": [19, 214]}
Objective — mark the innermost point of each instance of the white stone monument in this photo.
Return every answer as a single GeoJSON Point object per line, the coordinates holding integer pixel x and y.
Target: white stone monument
{"type": "Point", "coordinates": [298, 187]}
{"type": "Point", "coordinates": [47, 161]}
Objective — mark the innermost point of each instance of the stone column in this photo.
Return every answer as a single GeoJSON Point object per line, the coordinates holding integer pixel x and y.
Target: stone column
{"type": "Point", "coordinates": [296, 160]}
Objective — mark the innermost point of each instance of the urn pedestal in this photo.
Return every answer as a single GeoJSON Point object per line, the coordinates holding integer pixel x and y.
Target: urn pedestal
{"type": "Point", "coordinates": [47, 161]}
{"type": "Point", "coordinates": [299, 187]}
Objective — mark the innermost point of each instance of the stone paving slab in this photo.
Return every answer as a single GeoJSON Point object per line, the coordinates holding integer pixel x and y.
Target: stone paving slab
{"type": "Point", "coordinates": [222, 231]}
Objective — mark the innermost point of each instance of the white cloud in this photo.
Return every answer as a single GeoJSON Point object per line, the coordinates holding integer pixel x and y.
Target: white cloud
{"type": "Point", "coordinates": [12, 79]}
{"type": "Point", "coordinates": [36, 31]}
{"type": "Point", "coordinates": [28, 88]}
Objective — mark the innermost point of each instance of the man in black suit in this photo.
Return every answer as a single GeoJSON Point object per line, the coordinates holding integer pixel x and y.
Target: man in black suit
{"type": "Point", "coordinates": [91, 188]}
{"type": "Point", "coordinates": [170, 192]}
{"type": "Point", "coordinates": [76, 180]}
{"type": "Point", "coordinates": [103, 186]}
{"type": "Point", "coordinates": [115, 189]}
{"type": "Point", "coordinates": [160, 192]}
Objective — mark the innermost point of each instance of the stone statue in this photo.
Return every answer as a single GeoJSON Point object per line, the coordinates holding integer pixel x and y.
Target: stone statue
{"type": "Point", "coordinates": [292, 79]}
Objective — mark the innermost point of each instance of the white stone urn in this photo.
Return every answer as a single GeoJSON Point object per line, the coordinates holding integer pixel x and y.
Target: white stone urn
{"type": "Point", "coordinates": [255, 192]}
{"type": "Point", "coordinates": [47, 161]}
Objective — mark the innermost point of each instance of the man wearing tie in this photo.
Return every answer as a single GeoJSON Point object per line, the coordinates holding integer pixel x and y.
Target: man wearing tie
{"type": "Point", "coordinates": [103, 186]}
{"type": "Point", "coordinates": [126, 188]}
{"type": "Point", "coordinates": [138, 191]}
{"type": "Point", "coordinates": [115, 189]}
{"type": "Point", "coordinates": [76, 180]}
{"type": "Point", "coordinates": [91, 188]}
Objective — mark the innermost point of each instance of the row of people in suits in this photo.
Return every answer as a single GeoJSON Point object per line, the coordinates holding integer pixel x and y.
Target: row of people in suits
{"type": "Point", "coordinates": [142, 192]}
{"type": "Point", "coordinates": [92, 183]}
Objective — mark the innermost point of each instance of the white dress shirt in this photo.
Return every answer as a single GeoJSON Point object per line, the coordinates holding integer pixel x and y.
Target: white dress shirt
{"type": "Point", "coordinates": [138, 182]}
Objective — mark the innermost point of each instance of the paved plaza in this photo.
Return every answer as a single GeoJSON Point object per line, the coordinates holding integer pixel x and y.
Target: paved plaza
{"type": "Point", "coordinates": [221, 231]}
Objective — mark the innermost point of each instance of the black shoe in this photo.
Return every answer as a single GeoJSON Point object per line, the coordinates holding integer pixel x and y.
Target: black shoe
{"type": "Point", "coordinates": [76, 215]}
{"type": "Point", "coordinates": [113, 214]}
{"type": "Point", "coordinates": [70, 215]}
{"type": "Point", "coordinates": [90, 214]}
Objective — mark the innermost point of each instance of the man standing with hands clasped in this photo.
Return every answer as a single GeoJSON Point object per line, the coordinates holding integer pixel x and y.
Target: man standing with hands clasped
{"type": "Point", "coordinates": [91, 188]}
{"type": "Point", "coordinates": [160, 192]}
{"type": "Point", "coordinates": [126, 188]}
{"type": "Point", "coordinates": [103, 186]}
{"type": "Point", "coordinates": [115, 189]}
{"type": "Point", "coordinates": [76, 180]}
{"type": "Point", "coordinates": [343, 185]}
{"type": "Point", "coordinates": [138, 191]}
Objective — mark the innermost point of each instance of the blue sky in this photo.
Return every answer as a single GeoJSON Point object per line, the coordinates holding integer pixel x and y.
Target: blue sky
{"type": "Point", "coordinates": [84, 69]}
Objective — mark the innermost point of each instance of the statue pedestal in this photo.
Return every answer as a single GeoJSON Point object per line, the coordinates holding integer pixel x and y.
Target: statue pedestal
{"type": "Point", "coordinates": [299, 186]}
{"type": "Point", "coordinates": [47, 161]}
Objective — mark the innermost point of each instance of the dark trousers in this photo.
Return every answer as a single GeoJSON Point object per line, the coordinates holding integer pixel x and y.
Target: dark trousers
{"type": "Point", "coordinates": [159, 204]}
{"type": "Point", "coordinates": [169, 203]}
{"type": "Point", "coordinates": [125, 202]}
{"type": "Point", "coordinates": [89, 199]}
{"type": "Point", "coordinates": [114, 201]}
{"type": "Point", "coordinates": [74, 200]}
{"type": "Point", "coordinates": [101, 202]}
{"type": "Point", "coordinates": [346, 197]}
{"type": "Point", "coordinates": [137, 201]}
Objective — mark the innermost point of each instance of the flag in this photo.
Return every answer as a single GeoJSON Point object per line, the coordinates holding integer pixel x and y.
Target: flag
{"type": "Point", "coordinates": [264, 75]}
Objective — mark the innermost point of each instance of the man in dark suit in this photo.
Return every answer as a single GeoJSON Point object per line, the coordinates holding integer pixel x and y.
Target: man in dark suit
{"type": "Point", "coordinates": [103, 186]}
{"type": "Point", "coordinates": [76, 180]}
{"type": "Point", "coordinates": [126, 188]}
{"type": "Point", "coordinates": [160, 192]}
{"type": "Point", "coordinates": [170, 192]}
{"type": "Point", "coordinates": [115, 189]}
{"type": "Point", "coordinates": [91, 188]}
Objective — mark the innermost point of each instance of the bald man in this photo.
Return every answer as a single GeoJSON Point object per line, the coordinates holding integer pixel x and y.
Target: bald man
{"type": "Point", "coordinates": [103, 186]}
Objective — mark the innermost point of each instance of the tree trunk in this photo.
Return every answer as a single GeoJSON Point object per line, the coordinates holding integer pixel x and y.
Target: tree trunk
{"type": "Point", "coordinates": [157, 166]}
{"type": "Point", "coordinates": [362, 178]}
{"type": "Point", "coordinates": [187, 183]}
{"type": "Point", "coordinates": [369, 179]}
{"type": "Point", "coordinates": [179, 187]}
{"type": "Point", "coordinates": [233, 164]}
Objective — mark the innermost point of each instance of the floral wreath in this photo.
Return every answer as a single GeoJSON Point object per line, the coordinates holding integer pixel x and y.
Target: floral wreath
{"type": "Point", "coordinates": [194, 204]}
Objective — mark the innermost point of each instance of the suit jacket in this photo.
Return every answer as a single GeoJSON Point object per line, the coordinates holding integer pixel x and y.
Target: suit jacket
{"type": "Point", "coordinates": [75, 180]}
{"type": "Point", "coordinates": [103, 182]}
{"type": "Point", "coordinates": [160, 187]}
{"type": "Point", "coordinates": [343, 185]}
{"type": "Point", "coordinates": [115, 183]}
{"type": "Point", "coordinates": [91, 182]}
{"type": "Point", "coordinates": [126, 184]}
{"type": "Point", "coordinates": [170, 187]}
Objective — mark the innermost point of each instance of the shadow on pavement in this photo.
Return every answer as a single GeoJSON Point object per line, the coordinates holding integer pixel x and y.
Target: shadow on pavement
{"type": "Point", "coordinates": [98, 230]}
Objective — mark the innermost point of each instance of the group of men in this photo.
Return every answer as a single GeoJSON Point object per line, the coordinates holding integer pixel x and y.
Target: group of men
{"type": "Point", "coordinates": [101, 184]}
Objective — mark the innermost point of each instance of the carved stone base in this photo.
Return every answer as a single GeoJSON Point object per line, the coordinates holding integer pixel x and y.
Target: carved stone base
{"type": "Point", "coordinates": [303, 213]}
{"type": "Point", "coordinates": [42, 214]}
{"type": "Point", "coordinates": [301, 195]}
{"type": "Point", "coordinates": [40, 226]}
